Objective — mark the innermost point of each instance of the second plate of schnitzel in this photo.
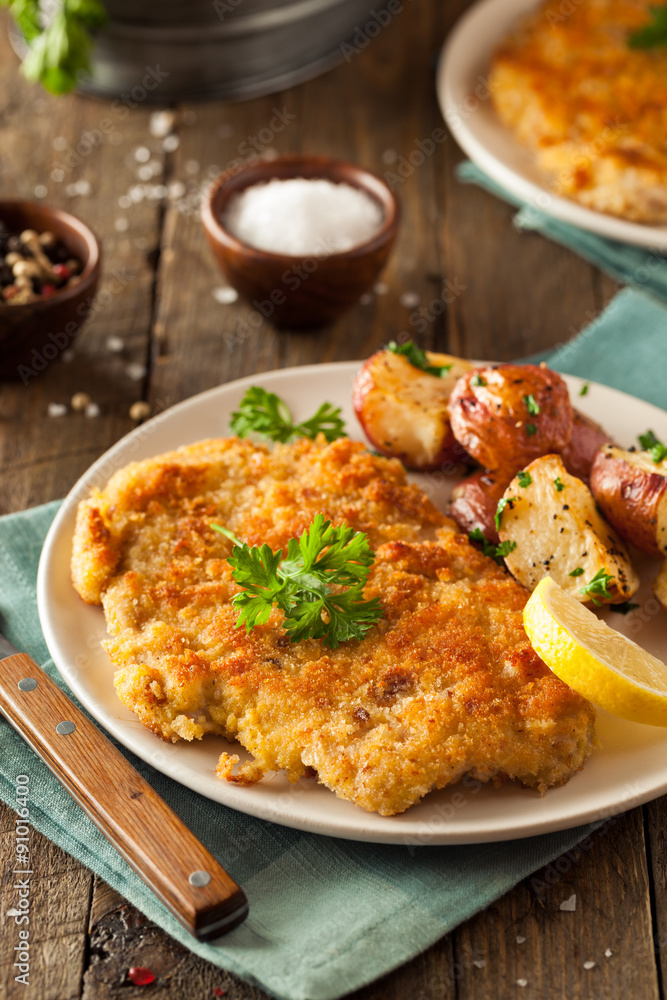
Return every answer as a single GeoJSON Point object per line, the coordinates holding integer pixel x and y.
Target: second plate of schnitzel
{"type": "Point", "coordinates": [625, 770]}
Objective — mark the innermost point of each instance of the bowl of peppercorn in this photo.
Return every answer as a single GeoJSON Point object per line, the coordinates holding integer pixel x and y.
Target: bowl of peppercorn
{"type": "Point", "coordinates": [49, 272]}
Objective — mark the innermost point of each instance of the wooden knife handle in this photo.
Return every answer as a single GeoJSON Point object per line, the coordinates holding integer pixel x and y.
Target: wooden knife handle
{"type": "Point", "coordinates": [127, 810]}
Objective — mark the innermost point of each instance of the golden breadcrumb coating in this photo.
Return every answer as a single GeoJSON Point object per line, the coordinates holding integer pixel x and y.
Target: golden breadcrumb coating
{"type": "Point", "coordinates": [593, 108]}
{"type": "Point", "coordinates": [446, 684]}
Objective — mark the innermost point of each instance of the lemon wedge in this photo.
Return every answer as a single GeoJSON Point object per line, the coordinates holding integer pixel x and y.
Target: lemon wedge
{"type": "Point", "coordinates": [604, 666]}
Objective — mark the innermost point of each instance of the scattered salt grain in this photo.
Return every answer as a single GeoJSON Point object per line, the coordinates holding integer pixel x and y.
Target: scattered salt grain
{"type": "Point", "coordinates": [389, 156]}
{"type": "Point", "coordinates": [79, 401]}
{"type": "Point", "coordinates": [67, 356]}
{"type": "Point", "coordinates": [608, 953]}
{"type": "Point", "coordinates": [140, 410]}
{"type": "Point", "coordinates": [57, 175]}
{"type": "Point", "coordinates": [225, 296]}
{"type": "Point", "coordinates": [171, 144]}
{"type": "Point", "coordinates": [176, 189]}
{"type": "Point", "coordinates": [381, 288]}
{"type": "Point", "coordinates": [161, 123]}
{"type": "Point", "coordinates": [137, 192]}
{"type": "Point", "coordinates": [366, 299]}
{"type": "Point", "coordinates": [83, 188]}
{"type": "Point", "coordinates": [41, 191]}
{"type": "Point", "coordinates": [157, 192]}
{"type": "Point", "coordinates": [56, 409]}
{"type": "Point", "coordinates": [135, 371]}
{"type": "Point", "coordinates": [121, 225]}
{"type": "Point", "coordinates": [142, 154]}
{"type": "Point", "coordinates": [299, 216]}
{"type": "Point", "coordinates": [479, 963]}
{"type": "Point", "coordinates": [115, 344]}
{"type": "Point", "coordinates": [589, 965]}
{"type": "Point", "coordinates": [520, 939]}
{"type": "Point", "coordinates": [570, 904]}
{"type": "Point", "coordinates": [59, 143]}
{"type": "Point", "coordinates": [92, 410]}
{"type": "Point", "coordinates": [144, 173]}
{"type": "Point", "coordinates": [409, 300]}
{"type": "Point", "coordinates": [125, 201]}
{"type": "Point", "coordinates": [522, 982]}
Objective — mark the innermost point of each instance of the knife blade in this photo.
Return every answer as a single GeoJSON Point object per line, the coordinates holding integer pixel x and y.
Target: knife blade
{"type": "Point", "coordinates": [160, 848]}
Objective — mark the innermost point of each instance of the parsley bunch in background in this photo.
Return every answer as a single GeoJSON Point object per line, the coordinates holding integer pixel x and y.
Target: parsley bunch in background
{"type": "Point", "coordinates": [59, 40]}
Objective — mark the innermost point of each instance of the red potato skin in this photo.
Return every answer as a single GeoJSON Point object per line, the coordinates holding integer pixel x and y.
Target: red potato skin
{"type": "Point", "coordinates": [475, 501]}
{"type": "Point", "coordinates": [449, 458]}
{"type": "Point", "coordinates": [628, 496]}
{"type": "Point", "coordinates": [490, 420]}
{"type": "Point", "coordinates": [585, 442]}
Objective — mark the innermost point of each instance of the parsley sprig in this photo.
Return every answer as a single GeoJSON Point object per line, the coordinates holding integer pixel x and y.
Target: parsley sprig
{"type": "Point", "coordinates": [59, 46]}
{"type": "Point", "coordinates": [502, 503]}
{"type": "Point", "coordinates": [524, 478]}
{"type": "Point", "coordinates": [598, 586]}
{"type": "Point", "coordinates": [654, 34]}
{"type": "Point", "coordinates": [656, 449]}
{"type": "Point", "coordinates": [267, 414]}
{"type": "Point", "coordinates": [532, 405]}
{"type": "Point", "coordinates": [417, 357]}
{"type": "Point", "coordinates": [497, 552]}
{"type": "Point", "coordinates": [306, 584]}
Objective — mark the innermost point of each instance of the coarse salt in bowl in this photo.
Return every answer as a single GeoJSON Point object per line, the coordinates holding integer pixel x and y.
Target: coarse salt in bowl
{"type": "Point", "coordinates": [301, 237]}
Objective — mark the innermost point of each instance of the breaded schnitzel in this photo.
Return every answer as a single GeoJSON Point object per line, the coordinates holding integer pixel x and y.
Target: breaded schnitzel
{"type": "Point", "coordinates": [445, 684]}
{"type": "Point", "coordinates": [592, 107]}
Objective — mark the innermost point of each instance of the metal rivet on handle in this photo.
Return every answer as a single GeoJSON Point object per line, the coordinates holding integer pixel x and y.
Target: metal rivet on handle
{"type": "Point", "coordinates": [27, 684]}
{"type": "Point", "coordinates": [199, 879]}
{"type": "Point", "coordinates": [65, 728]}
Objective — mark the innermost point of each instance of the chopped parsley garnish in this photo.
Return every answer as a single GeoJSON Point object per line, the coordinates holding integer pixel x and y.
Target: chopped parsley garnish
{"type": "Point", "coordinates": [598, 586]}
{"type": "Point", "coordinates": [478, 379]}
{"type": "Point", "coordinates": [623, 609]}
{"type": "Point", "coordinates": [532, 405]}
{"type": "Point", "coordinates": [656, 449]}
{"type": "Point", "coordinates": [531, 429]}
{"type": "Point", "coordinates": [560, 486]}
{"type": "Point", "coordinates": [497, 552]}
{"type": "Point", "coordinates": [584, 389]}
{"type": "Point", "coordinates": [525, 478]}
{"type": "Point", "coordinates": [417, 357]}
{"type": "Point", "coordinates": [501, 507]}
{"type": "Point", "coordinates": [267, 414]}
{"type": "Point", "coordinates": [577, 572]}
{"type": "Point", "coordinates": [307, 583]}
{"type": "Point", "coordinates": [654, 34]}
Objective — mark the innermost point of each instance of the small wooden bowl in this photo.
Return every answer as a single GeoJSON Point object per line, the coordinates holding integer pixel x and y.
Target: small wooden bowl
{"type": "Point", "coordinates": [36, 333]}
{"type": "Point", "coordinates": [298, 291]}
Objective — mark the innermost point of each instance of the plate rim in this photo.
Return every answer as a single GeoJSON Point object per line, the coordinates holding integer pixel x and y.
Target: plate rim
{"type": "Point", "coordinates": [449, 76]}
{"type": "Point", "coordinates": [390, 830]}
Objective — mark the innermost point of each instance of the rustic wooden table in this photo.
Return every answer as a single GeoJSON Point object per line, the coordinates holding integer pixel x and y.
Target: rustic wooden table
{"type": "Point", "coordinates": [506, 295]}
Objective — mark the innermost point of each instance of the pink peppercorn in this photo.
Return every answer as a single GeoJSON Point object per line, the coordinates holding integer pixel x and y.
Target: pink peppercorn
{"type": "Point", "coordinates": [62, 271]}
{"type": "Point", "coordinates": [140, 975]}
{"type": "Point", "coordinates": [48, 291]}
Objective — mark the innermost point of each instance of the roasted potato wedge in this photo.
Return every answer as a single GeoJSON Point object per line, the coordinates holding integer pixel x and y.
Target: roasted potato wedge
{"type": "Point", "coordinates": [631, 490]}
{"type": "Point", "coordinates": [585, 442]}
{"type": "Point", "coordinates": [660, 585]}
{"type": "Point", "coordinates": [509, 415]}
{"type": "Point", "coordinates": [559, 532]}
{"type": "Point", "coordinates": [403, 410]}
{"type": "Point", "coordinates": [474, 503]}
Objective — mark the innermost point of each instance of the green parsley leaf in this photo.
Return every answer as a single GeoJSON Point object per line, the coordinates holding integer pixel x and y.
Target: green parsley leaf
{"type": "Point", "coordinates": [532, 405]}
{"type": "Point", "coordinates": [623, 609]}
{"type": "Point", "coordinates": [525, 478]}
{"type": "Point", "coordinates": [584, 389]}
{"type": "Point", "coordinates": [478, 379]}
{"type": "Point", "coordinates": [654, 34]}
{"type": "Point", "coordinates": [560, 486]}
{"type": "Point", "coordinates": [417, 358]}
{"type": "Point", "coordinates": [653, 446]}
{"type": "Point", "coordinates": [497, 552]}
{"type": "Point", "coordinates": [306, 584]}
{"type": "Point", "coordinates": [531, 429]}
{"type": "Point", "coordinates": [577, 572]}
{"type": "Point", "coordinates": [227, 533]}
{"type": "Point", "coordinates": [502, 503]}
{"type": "Point", "coordinates": [267, 414]}
{"type": "Point", "coordinates": [599, 586]}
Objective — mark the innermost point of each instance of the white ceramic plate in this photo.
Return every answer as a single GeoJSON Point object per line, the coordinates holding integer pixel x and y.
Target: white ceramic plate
{"type": "Point", "coordinates": [468, 110]}
{"type": "Point", "coordinates": [631, 766]}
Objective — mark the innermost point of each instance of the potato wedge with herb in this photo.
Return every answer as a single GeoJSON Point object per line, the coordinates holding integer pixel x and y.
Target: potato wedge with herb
{"type": "Point", "coordinates": [403, 408]}
{"type": "Point", "coordinates": [508, 415]}
{"type": "Point", "coordinates": [631, 491]}
{"type": "Point", "coordinates": [559, 533]}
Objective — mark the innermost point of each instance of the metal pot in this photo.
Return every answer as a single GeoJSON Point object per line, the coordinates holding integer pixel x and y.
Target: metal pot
{"type": "Point", "coordinates": [167, 50]}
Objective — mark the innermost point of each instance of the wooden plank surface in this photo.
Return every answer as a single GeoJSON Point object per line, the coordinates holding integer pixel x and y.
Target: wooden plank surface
{"type": "Point", "coordinates": [483, 290]}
